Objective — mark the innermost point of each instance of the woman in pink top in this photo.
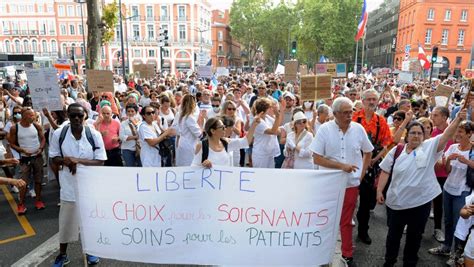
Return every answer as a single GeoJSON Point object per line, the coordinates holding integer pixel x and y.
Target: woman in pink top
{"type": "Point", "coordinates": [110, 130]}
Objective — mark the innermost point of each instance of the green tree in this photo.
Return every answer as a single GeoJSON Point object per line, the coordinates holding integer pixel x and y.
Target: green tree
{"type": "Point", "coordinates": [110, 17]}
{"type": "Point", "coordinates": [246, 26]}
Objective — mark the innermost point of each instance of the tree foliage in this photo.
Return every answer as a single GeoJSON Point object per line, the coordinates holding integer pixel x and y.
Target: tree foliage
{"type": "Point", "coordinates": [110, 17]}
{"type": "Point", "coordinates": [320, 27]}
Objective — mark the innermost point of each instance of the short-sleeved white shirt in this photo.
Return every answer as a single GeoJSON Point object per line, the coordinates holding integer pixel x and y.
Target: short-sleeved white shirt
{"type": "Point", "coordinates": [413, 179]}
{"type": "Point", "coordinates": [149, 155]}
{"type": "Point", "coordinates": [265, 144]}
{"type": "Point", "coordinates": [78, 149]}
{"type": "Point", "coordinates": [331, 143]}
{"type": "Point", "coordinates": [456, 182]}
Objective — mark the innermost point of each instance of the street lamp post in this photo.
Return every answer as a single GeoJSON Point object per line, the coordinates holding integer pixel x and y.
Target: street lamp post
{"type": "Point", "coordinates": [121, 41]}
{"type": "Point", "coordinates": [200, 41]}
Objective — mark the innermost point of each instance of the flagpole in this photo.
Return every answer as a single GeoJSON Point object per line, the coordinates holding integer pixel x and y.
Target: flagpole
{"type": "Point", "coordinates": [355, 63]}
{"type": "Point", "coordinates": [363, 50]}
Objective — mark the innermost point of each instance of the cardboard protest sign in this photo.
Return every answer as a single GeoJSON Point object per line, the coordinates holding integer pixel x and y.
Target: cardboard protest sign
{"type": "Point", "coordinates": [191, 215]}
{"type": "Point", "coordinates": [443, 90]}
{"type": "Point", "coordinates": [44, 89]}
{"type": "Point", "coordinates": [336, 70]}
{"type": "Point", "coordinates": [291, 70]}
{"type": "Point", "coordinates": [145, 70]}
{"type": "Point", "coordinates": [303, 70]}
{"type": "Point", "coordinates": [315, 87]}
{"type": "Point", "coordinates": [100, 80]}
{"type": "Point", "coordinates": [469, 74]}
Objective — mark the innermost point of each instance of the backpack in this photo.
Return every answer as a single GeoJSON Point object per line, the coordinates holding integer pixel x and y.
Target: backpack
{"type": "Point", "coordinates": [398, 151]}
{"type": "Point", "coordinates": [89, 137]}
{"type": "Point", "coordinates": [205, 148]}
{"type": "Point", "coordinates": [470, 173]}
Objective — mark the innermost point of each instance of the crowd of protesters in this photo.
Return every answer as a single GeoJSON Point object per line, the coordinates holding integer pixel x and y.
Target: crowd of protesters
{"type": "Point", "coordinates": [398, 144]}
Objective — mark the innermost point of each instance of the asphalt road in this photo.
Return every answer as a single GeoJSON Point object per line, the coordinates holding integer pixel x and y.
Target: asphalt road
{"type": "Point", "coordinates": [19, 236]}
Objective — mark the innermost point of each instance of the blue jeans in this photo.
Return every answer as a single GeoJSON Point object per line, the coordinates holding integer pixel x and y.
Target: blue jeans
{"type": "Point", "coordinates": [130, 159]}
{"type": "Point", "coordinates": [452, 205]}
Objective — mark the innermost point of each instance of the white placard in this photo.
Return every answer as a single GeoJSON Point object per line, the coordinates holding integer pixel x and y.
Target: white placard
{"type": "Point", "coordinates": [44, 89]}
{"type": "Point", "coordinates": [280, 69]}
{"type": "Point", "coordinates": [405, 77]}
{"type": "Point", "coordinates": [222, 71]}
{"type": "Point", "coordinates": [205, 71]}
{"type": "Point", "coordinates": [219, 216]}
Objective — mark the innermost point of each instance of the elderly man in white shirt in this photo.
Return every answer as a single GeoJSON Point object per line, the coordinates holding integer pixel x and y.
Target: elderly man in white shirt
{"type": "Point", "coordinates": [338, 145]}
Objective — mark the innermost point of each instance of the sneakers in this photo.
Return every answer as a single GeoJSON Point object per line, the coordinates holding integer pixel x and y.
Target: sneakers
{"type": "Point", "coordinates": [32, 193]}
{"type": "Point", "coordinates": [14, 189]}
{"type": "Point", "coordinates": [438, 235]}
{"type": "Point", "coordinates": [349, 261]}
{"type": "Point", "coordinates": [455, 260]}
{"type": "Point", "coordinates": [441, 250]}
{"type": "Point", "coordinates": [92, 260]}
{"type": "Point", "coordinates": [61, 260]}
{"type": "Point", "coordinates": [21, 209]}
{"type": "Point", "coordinates": [39, 205]}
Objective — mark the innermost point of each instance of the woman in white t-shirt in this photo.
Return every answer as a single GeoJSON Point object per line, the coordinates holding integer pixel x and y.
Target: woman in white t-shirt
{"type": "Point", "coordinates": [150, 135]}
{"type": "Point", "coordinates": [456, 160]}
{"type": "Point", "coordinates": [265, 144]}
{"type": "Point", "coordinates": [297, 144]}
{"type": "Point", "coordinates": [217, 153]}
{"type": "Point", "coordinates": [412, 188]}
{"type": "Point", "coordinates": [230, 109]}
{"type": "Point", "coordinates": [464, 229]}
{"type": "Point", "coordinates": [189, 129]}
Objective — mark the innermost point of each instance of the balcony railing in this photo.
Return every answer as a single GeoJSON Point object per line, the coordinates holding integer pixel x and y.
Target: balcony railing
{"type": "Point", "coordinates": [220, 53]}
{"type": "Point", "coordinates": [181, 18]}
{"type": "Point", "coordinates": [26, 32]}
{"type": "Point", "coordinates": [164, 18]}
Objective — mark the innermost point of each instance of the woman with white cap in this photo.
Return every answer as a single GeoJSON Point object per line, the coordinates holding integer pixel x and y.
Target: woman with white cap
{"type": "Point", "coordinates": [297, 152]}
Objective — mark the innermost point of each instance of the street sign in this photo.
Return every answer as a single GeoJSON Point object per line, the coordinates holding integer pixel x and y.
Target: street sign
{"type": "Point", "coordinates": [437, 65]}
{"type": "Point", "coordinates": [406, 65]}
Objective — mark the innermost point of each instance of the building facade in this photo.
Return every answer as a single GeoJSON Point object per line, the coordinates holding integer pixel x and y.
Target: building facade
{"type": "Point", "coordinates": [53, 29]}
{"type": "Point", "coordinates": [225, 50]}
{"type": "Point", "coordinates": [188, 23]}
{"type": "Point", "coordinates": [381, 39]}
{"type": "Point", "coordinates": [447, 24]}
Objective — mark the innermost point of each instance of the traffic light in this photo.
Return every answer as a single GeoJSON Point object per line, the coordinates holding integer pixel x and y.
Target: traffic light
{"type": "Point", "coordinates": [163, 37]}
{"type": "Point", "coordinates": [434, 55]}
{"type": "Point", "coordinates": [293, 47]}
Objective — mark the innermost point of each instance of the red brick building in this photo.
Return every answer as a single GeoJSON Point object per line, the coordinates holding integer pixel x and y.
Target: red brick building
{"type": "Point", "coordinates": [225, 50]}
{"type": "Point", "coordinates": [447, 24]}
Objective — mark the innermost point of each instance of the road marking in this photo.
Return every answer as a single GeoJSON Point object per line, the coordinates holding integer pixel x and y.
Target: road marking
{"type": "Point", "coordinates": [21, 219]}
{"type": "Point", "coordinates": [40, 254]}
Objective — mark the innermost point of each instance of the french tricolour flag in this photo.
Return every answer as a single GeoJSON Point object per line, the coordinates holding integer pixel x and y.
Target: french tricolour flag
{"type": "Point", "coordinates": [362, 22]}
{"type": "Point", "coordinates": [422, 58]}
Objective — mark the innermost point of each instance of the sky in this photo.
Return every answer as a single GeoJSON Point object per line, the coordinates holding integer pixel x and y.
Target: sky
{"type": "Point", "coordinates": [225, 4]}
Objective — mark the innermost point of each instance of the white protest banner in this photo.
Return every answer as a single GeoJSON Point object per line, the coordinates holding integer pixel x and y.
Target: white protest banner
{"type": "Point", "coordinates": [44, 89]}
{"type": "Point", "coordinates": [219, 216]}
{"type": "Point", "coordinates": [205, 71]}
{"type": "Point", "coordinates": [222, 71]}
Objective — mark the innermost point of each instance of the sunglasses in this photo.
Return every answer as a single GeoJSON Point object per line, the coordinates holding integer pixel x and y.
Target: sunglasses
{"type": "Point", "coordinates": [230, 108]}
{"type": "Point", "coordinates": [397, 118]}
{"type": "Point", "coordinates": [220, 127]}
{"type": "Point", "coordinates": [301, 122]}
{"type": "Point", "coordinates": [76, 115]}
{"type": "Point", "coordinates": [215, 106]}
{"type": "Point", "coordinates": [18, 112]}
{"type": "Point", "coordinates": [150, 113]}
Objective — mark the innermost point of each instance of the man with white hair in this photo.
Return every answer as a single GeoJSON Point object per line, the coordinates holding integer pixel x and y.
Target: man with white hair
{"type": "Point", "coordinates": [349, 149]}
{"type": "Point", "coordinates": [380, 136]}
